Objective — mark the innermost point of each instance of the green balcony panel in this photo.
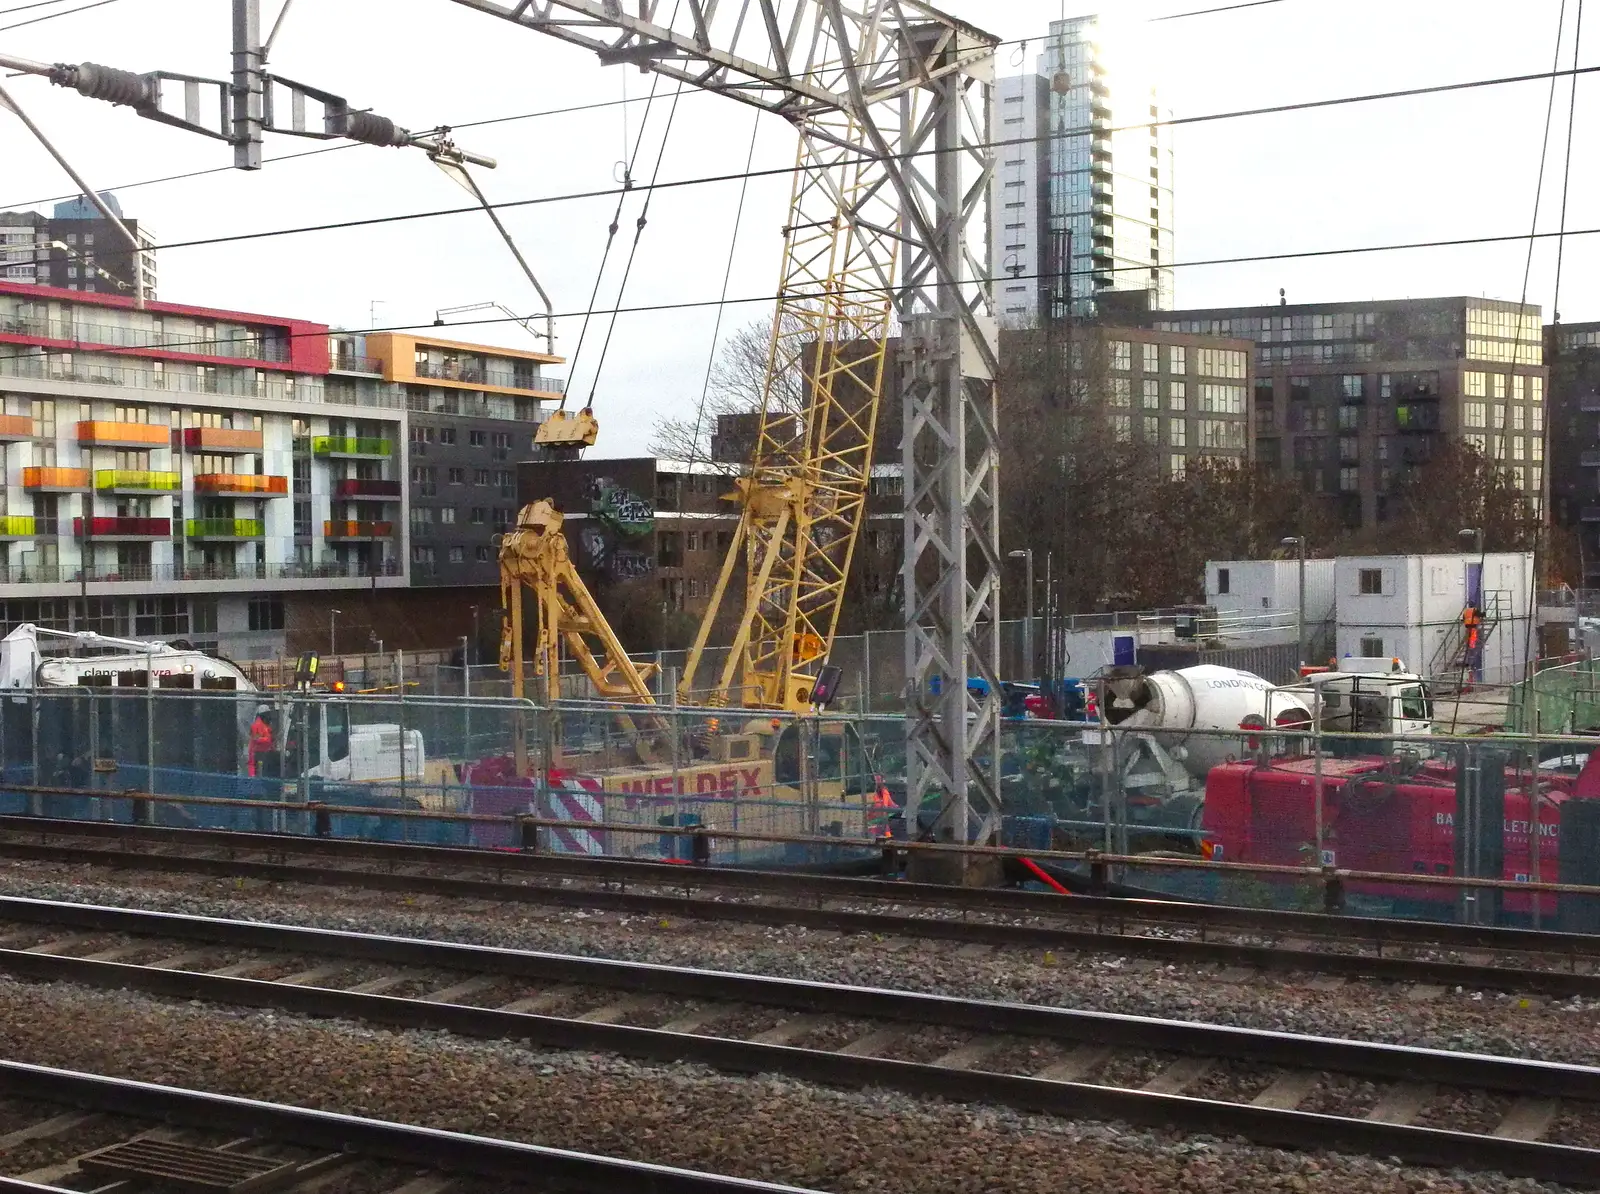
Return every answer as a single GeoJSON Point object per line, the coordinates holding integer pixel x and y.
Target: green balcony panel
{"type": "Point", "coordinates": [139, 479]}
{"type": "Point", "coordinates": [350, 445]}
{"type": "Point", "coordinates": [225, 528]}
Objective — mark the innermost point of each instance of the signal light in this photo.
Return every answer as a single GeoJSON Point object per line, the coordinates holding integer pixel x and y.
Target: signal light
{"type": "Point", "coordinates": [338, 686]}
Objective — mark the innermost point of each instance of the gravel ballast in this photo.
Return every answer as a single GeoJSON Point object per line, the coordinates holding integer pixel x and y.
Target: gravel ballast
{"type": "Point", "coordinates": [1459, 1019]}
{"type": "Point", "coordinates": [768, 1128]}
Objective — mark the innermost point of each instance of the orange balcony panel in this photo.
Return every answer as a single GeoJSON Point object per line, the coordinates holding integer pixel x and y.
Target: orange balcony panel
{"type": "Point", "coordinates": [15, 427]}
{"type": "Point", "coordinates": [221, 439]}
{"type": "Point", "coordinates": [123, 435]}
{"type": "Point", "coordinates": [241, 485]}
{"type": "Point", "coordinates": [55, 480]}
{"type": "Point", "coordinates": [357, 530]}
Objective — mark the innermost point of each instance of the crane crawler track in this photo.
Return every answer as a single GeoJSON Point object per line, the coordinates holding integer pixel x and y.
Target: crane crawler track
{"type": "Point", "coordinates": [846, 1036]}
{"type": "Point", "coordinates": [1479, 957]}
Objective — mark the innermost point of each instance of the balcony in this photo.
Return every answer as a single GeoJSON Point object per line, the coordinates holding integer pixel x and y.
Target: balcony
{"type": "Point", "coordinates": [123, 435]}
{"type": "Point", "coordinates": [240, 485]}
{"type": "Point", "coordinates": [132, 480]}
{"type": "Point", "coordinates": [357, 490]}
{"type": "Point", "coordinates": [55, 480]}
{"type": "Point", "coordinates": [344, 362]}
{"type": "Point", "coordinates": [225, 528]}
{"type": "Point", "coordinates": [14, 428]}
{"type": "Point", "coordinates": [18, 526]}
{"type": "Point", "coordinates": [123, 528]}
{"type": "Point", "coordinates": [221, 439]}
{"type": "Point", "coordinates": [351, 447]}
{"type": "Point", "coordinates": [351, 531]}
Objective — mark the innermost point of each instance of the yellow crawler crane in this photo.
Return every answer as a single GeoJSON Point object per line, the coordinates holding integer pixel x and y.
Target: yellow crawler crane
{"type": "Point", "coordinates": [535, 557]}
{"type": "Point", "coordinates": [803, 499]}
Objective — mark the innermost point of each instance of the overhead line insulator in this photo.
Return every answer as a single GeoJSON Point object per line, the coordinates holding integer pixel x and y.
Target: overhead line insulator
{"type": "Point", "coordinates": [105, 83]}
{"type": "Point", "coordinates": [372, 129]}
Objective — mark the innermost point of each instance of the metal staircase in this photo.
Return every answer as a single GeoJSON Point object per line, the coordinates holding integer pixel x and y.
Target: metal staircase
{"type": "Point", "coordinates": [1460, 652]}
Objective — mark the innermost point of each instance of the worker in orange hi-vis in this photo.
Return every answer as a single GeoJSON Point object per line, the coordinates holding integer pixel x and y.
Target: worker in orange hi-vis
{"type": "Point", "coordinates": [883, 808]}
{"type": "Point", "coordinates": [260, 739]}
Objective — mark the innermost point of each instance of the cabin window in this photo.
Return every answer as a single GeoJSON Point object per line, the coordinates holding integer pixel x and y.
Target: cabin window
{"type": "Point", "coordinates": [1371, 584]}
{"type": "Point", "coordinates": [1222, 580]}
{"type": "Point", "coordinates": [1371, 647]}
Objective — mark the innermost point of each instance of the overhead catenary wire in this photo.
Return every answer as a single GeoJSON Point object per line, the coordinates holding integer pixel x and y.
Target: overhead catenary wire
{"type": "Point", "coordinates": [53, 15]}
{"type": "Point", "coordinates": [1239, 113]}
{"type": "Point", "coordinates": [1566, 169]}
{"type": "Point", "coordinates": [745, 300]}
{"type": "Point", "coordinates": [6, 12]}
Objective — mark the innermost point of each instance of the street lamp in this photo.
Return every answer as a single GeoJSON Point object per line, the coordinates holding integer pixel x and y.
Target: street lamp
{"type": "Point", "coordinates": [1026, 555]}
{"type": "Point", "coordinates": [332, 641]}
{"type": "Point", "coordinates": [1476, 534]}
{"type": "Point", "coordinates": [1298, 542]}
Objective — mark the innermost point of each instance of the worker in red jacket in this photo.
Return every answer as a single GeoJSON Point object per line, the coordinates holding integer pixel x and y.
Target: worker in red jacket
{"type": "Point", "coordinates": [260, 739]}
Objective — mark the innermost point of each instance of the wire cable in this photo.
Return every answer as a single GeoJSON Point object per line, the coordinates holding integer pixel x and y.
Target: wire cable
{"type": "Point", "coordinates": [1566, 170]}
{"type": "Point", "coordinates": [1206, 12]}
{"type": "Point", "coordinates": [1240, 113]}
{"type": "Point", "coordinates": [638, 234]}
{"type": "Point", "coordinates": [50, 16]}
{"type": "Point", "coordinates": [6, 12]}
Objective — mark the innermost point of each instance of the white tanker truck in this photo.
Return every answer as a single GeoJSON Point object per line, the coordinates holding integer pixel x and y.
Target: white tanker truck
{"type": "Point", "coordinates": [209, 734]}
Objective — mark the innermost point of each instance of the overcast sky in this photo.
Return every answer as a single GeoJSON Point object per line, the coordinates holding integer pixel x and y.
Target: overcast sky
{"type": "Point", "coordinates": [1431, 168]}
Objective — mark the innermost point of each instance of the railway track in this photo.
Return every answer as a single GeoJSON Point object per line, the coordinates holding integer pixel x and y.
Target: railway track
{"type": "Point", "coordinates": [1430, 1107]}
{"type": "Point", "coordinates": [65, 1131]}
{"type": "Point", "coordinates": [1478, 957]}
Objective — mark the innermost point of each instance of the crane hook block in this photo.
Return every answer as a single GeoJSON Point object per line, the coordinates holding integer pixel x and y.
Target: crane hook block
{"type": "Point", "coordinates": [568, 431]}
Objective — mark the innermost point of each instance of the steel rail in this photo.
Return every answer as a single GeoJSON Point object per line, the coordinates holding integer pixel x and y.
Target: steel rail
{"type": "Point", "coordinates": [1282, 1128]}
{"type": "Point", "coordinates": [1266, 957]}
{"type": "Point", "coordinates": [432, 1148]}
{"type": "Point", "coordinates": [1260, 1045]}
{"type": "Point", "coordinates": [533, 863]}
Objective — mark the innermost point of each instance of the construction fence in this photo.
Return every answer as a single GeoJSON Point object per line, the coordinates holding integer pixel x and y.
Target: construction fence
{"type": "Point", "coordinates": [1403, 822]}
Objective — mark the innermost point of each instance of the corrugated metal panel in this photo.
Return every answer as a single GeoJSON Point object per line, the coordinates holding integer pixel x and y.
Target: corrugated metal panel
{"type": "Point", "coordinates": [1280, 664]}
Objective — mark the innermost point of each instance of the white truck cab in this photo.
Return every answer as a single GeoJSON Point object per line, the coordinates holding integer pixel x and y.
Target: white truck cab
{"type": "Point", "coordinates": [1369, 696]}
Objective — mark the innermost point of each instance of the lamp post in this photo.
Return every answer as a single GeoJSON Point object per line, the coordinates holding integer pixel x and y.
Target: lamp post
{"type": "Point", "coordinates": [1298, 542]}
{"type": "Point", "coordinates": [333, 648]}
{"type": "Point", "coordinates": [1025, 554]}
{"type": "Point", "coordinates": [1476, 535]}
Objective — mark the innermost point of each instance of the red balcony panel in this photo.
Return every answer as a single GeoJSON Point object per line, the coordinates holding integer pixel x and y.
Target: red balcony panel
{"type": "Point", "coordinates": [124, 528]}
{"type": "Point", "coordinates": [384, 491]}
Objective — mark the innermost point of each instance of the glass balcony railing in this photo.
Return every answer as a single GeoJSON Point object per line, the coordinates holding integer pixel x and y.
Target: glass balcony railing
{"type": "Point", "coordinates": [357, 530]}
{"type": "Point", "coordinates": [17, 526]}
{"type": "Point", "coordinates": [221, 439]}
{"type": "Point", "coordinates": [44, 574]}
{"type": "Point", "coordinates": [123, 528]}
{"type": "Point", "coordinates": [100, 433]}
{"type": "Point", "coordinates": [225, 528]}
{"type": "Point", "coordinates": [475, 373]}
{"type": "Point", "coordinates": [357, 489]}
{"type": "Point", "coordinates": [15, 427]}
{"type": "Point", "coordinates": [57, 479]}
{"type": "Point", "coordinates": [350, 445]}
{"type": "Point", "coordinates": [241, 484]}
{"type": "Point", "coordinates": [346, 362]}
{"type": "Point", "coordinates": [247, 347]}
{"type": "Point", "coordinates": [141, 480]}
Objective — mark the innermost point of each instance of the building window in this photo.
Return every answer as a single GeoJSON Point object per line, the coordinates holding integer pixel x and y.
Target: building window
{"type": "Point", "coordinates": [475, 439]}
{"type": "Point", "coordinates": [447, 515]}
{"type": "Point", "coordinates": [480, 476]}
{"type": "Point", "coordinates": [1536, 449]}
{"type": "Point", "coordinates": [1349, 479]}
{"type": "Point", "coordinates": [1121, 355]}
{"type": "Point", "coordinates": [481, 554]}
{"type": "Point", "coordinates": [458, 476]}
{"type": "Point", "coordinates": [1349, 418]}
{"type": "Point", "coordinates": [1497, 385]}
{"type": "Point", "coordinates": [458, 555]}
{"type": "Point", "coordinates": [1178, 395]}
{"type": "Point", "coordinates": [1221, 399]}
{"type": "Point", "coordinates": [1177, 433]}
{"type": "Point", "coordinates": [1371, 583]}
{"type": "Point", "coordinates": [1474, 384]}
{"type": "Point", "coordinates": [447, 435]}
{"type": "Point", "coordinates": [1177, 359]}
{"type": "Point", "coordinates": [1222, 581]}
{"type": "Point", "coordinates": [692, 542]}
{"type": "Point", "coordinates": [1152, 429]}
{"type": "Point", "coordinates": [1152, 357]}
{"type": "Point", "coordinates": [477, 516]}
{"type": "Point", "coordinates": [1519, 418]}
{"type": "Point", "coordinates": [1122, 428]}
{"type": "Point", "coordinates": [1350, 386]}
{"type": "Point", "coordinates": [1175, 466]}
{"type": "Point", "coordinates": [1152, 394]}
{"type": "Point", "coordinates": [1220, 362]}
{"type": "Point", "coordinates": [1536, 417]}
{"type": "Point", "coordinates": [421, 554]}
{"type": "Point", "coordinates": [266, 613]}
{"type": "Point", "coordinates": [1371, 647]}
{"type": "Point", "coordinates": [1122, 392]}
{"type": "Point", "coordinates": [1475, 414]}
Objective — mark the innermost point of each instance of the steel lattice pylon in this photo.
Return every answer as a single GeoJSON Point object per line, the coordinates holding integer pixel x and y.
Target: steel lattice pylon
{"type": "Point", "coordinates": [906, 88]}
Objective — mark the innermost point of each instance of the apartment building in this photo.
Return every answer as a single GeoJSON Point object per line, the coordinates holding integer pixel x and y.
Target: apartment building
{"type": "Point", "coordinates": [471, 415]}
{"type": "Point", "coordinates": [1349, 396]}
{"type": "Point", "coordinates": [1572, 353]}
{"type": "Point", "coordinates": [219, 476]}
{"type": "Point", "coordinates": [75, 249]}
{"type": "Point", "coordinates": [1183, 394]}
{"type": "Point", "coordinates": [1081, 206]}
